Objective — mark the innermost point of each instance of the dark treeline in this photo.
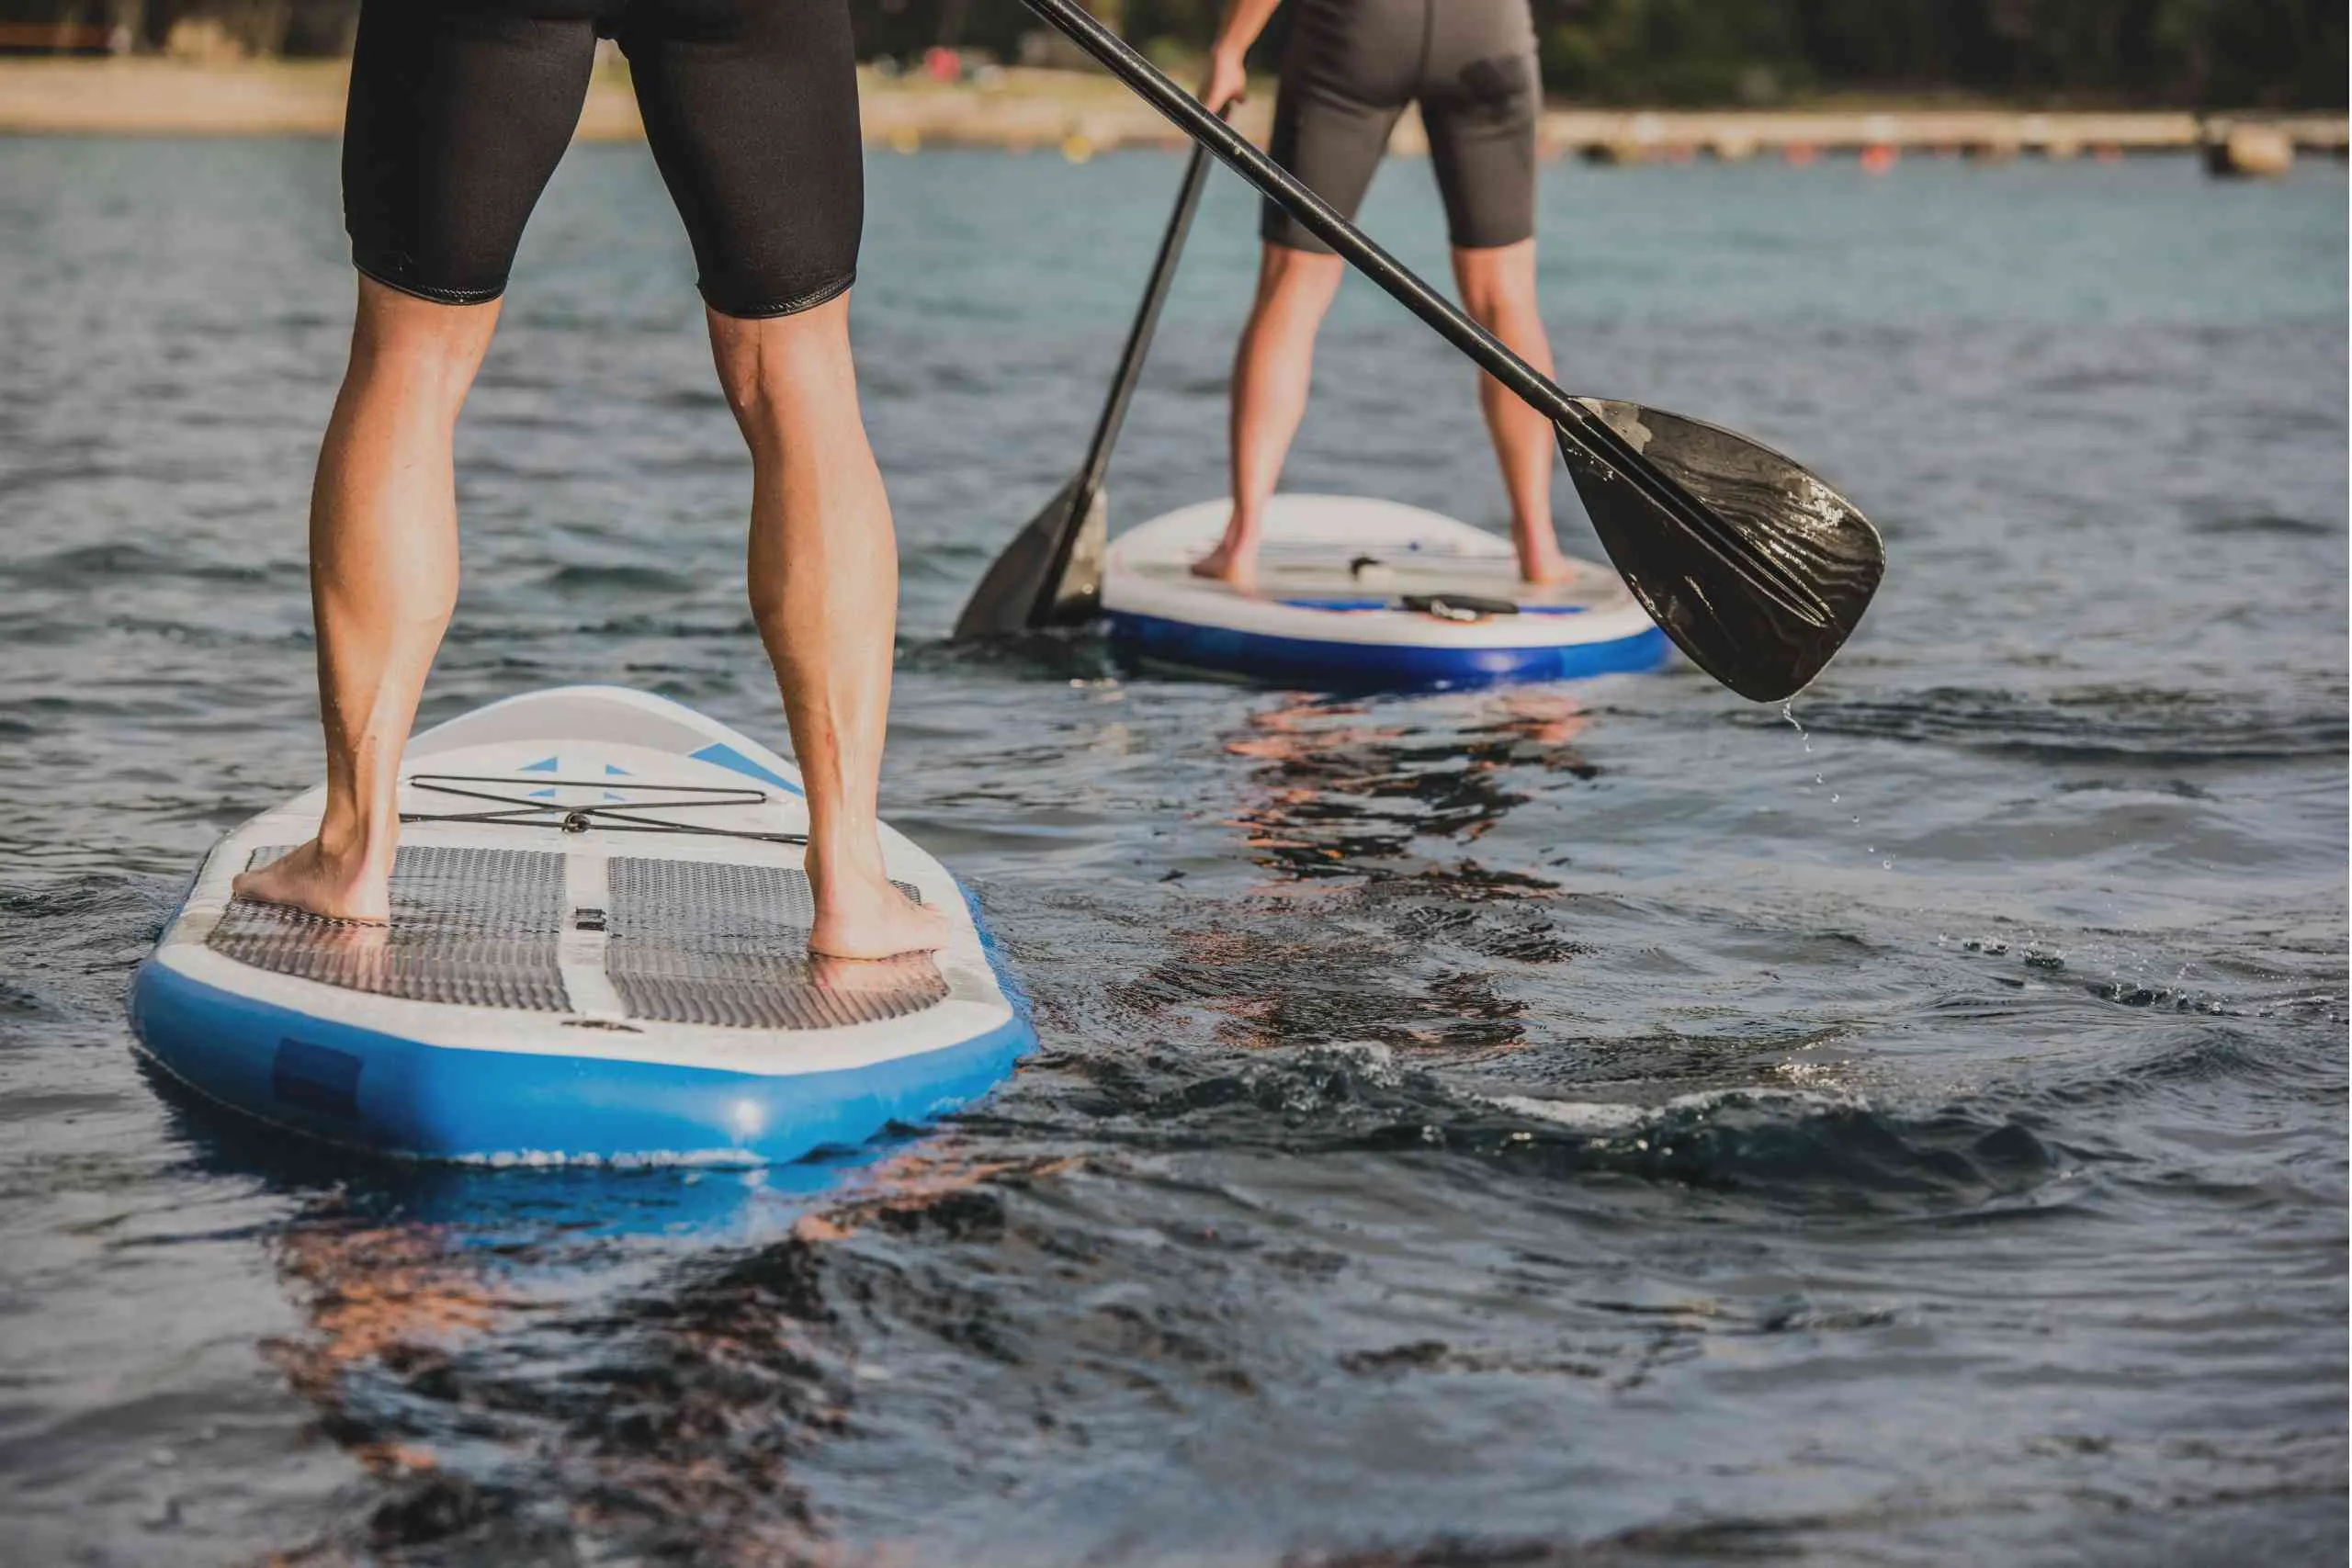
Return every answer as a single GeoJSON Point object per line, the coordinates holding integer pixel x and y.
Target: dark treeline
{"type": "Point", "coordinates": [2238, 53]}
{"type": "Point", "coordinates": [2197, 53]}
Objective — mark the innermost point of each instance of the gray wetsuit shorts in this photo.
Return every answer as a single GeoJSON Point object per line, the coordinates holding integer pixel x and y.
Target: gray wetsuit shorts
{"type": "Point", "coordinates": [1352, 66]}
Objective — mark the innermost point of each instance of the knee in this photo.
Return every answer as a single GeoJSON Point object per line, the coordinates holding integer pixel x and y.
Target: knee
{"type": "Point", "coordinates": [393, 328]}
{"type": "Point", "coordinates": [750, 376]}
{"type": "Point", "coordinates": [1488, 297]}
{"type": "Point", "coordinates": [758, 389]}
{"type": "Point", "coordinates": [1298, 284]}
{"type": "Point", "coordinates": [770, 367]}
{"type": "Point", "coordinates": [1497, 284]}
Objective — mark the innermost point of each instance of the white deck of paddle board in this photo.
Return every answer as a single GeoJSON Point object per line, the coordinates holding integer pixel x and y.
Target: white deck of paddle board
{"type": "Point", "coordinates": [585, 731]}
{"type": "Point", "coordinates": [1310, 542]}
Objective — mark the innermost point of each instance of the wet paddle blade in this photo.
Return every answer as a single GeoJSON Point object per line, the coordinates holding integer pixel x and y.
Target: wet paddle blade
{"type": "Point", "coordinates": [1757, 570]}
{"type": "Point", "coordinates": [1756, 567]}
{"type": "Point", "coordinates": [1051, 574]}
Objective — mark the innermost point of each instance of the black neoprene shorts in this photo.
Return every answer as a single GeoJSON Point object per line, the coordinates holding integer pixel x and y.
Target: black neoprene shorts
{"type": "Point", "coordinates": [461, 108]}
{"type": "Point", "coordinates": [1351, 67]}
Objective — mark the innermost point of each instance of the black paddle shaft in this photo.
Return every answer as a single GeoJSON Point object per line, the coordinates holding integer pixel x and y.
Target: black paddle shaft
{"type": "Point", "coordinates": [1131, 358]}
{"type": "Point", "coordinates": [1154, 295]}
{"type": "Point", "coordinates": [1604, 445]}
{"type": "Point", "coordinates": [1050, 573]}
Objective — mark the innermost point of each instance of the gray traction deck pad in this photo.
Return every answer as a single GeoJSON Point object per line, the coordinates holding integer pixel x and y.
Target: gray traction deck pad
{"type": "Point", "coordinates": [697, 942]}
{"type": "Point", "coordinates": [477, 927]}
{"type": "Point", "coordinates": [689, 941]}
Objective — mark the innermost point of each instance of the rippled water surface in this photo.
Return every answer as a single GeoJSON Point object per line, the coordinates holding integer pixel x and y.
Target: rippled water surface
{"type": "Point", "coordinates": [1600, 1123]}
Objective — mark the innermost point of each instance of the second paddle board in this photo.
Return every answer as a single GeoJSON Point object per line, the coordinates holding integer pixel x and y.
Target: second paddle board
{"type": "Point", "coordinates": [1353, 592]}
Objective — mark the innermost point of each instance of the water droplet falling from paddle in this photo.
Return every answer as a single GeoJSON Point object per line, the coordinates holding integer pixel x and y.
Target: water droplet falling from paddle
{"type": "Point", "coordinates": [1788, 712]}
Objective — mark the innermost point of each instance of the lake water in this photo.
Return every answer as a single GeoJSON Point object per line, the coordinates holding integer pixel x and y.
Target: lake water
{"type": "Point", "coordinates": [1603, 1123]}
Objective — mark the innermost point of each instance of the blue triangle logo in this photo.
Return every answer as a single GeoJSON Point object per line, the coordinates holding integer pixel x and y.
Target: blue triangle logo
{"type": "Point", "coordinates": [546, 767]}
{"type": "Point", "coordinates": [543, 794]}
{"type": "Point", "coordinates": [613, 772]}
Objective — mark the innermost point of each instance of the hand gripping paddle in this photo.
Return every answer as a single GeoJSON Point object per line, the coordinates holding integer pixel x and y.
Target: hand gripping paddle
{"type": "Point", "coordinates": [1756, 568]}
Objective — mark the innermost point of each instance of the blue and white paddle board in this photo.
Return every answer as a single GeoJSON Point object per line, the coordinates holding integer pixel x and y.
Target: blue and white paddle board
{"type": "Point", "coordinates": [1354, 592]}
{"type": "Point", "coordinates": [598, 952]}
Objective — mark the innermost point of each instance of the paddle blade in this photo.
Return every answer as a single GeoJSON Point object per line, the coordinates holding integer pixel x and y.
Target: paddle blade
{"type": "Point", "coordinates": [1051, 575]}
{"type": "Point", "coordinates": [1765, 587]}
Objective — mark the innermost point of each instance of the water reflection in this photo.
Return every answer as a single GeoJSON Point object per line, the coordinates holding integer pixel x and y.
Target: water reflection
{"type": "Point", "coordinates": [1336, 791]}
{"type": "Point", "coordinates": [1795, 1151]}
{"type": "Point", "coordinates": [1372, 923]}
{"type": "Point", "coordinates": [526, 1359]}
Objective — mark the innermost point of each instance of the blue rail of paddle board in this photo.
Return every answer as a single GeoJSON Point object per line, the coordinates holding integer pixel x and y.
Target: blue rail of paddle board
{"type": "Point", "coordinates": [365, 1088]}
{"type": "Point", "coordinates": [1358, 664]}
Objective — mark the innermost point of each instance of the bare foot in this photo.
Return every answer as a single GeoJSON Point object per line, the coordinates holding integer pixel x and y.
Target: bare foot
{"type": "Point", "coordinates": [1238, 569]}
{"type": "Point", "coordinates": [866, 917]}
{"type": "Point", "coordinates": [1554, 571]}
{"type": "Point", "coordinates": [901, 972]}
{"type": "Point", "coordinates": [316, 883]}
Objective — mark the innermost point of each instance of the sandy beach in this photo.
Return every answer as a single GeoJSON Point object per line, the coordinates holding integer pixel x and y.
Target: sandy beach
{"type": "Point", "coordinates": [1082, 113]}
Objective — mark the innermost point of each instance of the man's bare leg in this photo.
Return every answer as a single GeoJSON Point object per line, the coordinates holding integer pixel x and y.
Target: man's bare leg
{"type": "Point", "coordinates": [1273, 368]}
{"type": "Point", "coordinates": [1498, 290]}
{"type": "Point", "coordinates": [383, 581]}
{"type": "Point", "coordinates": [824, 582]}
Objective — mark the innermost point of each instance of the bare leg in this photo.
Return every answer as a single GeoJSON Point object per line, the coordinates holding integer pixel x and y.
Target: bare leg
{"type": "Point", "coordinates": [824, 581]}
{"type": "Point", "coordinates": [383, 581]}
{"type": "Point", "coordinates": [1273, 368]}
{"type": "Point", "coordinates": [1498, 290]}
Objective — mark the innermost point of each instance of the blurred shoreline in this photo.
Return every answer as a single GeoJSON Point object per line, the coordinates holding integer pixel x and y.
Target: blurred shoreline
{"type": "Point", "coordinates": [1082, 113]}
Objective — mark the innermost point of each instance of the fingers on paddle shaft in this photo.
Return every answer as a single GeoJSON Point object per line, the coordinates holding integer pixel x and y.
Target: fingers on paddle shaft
{"type": "Point", "coordinates": [1764, 581]}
